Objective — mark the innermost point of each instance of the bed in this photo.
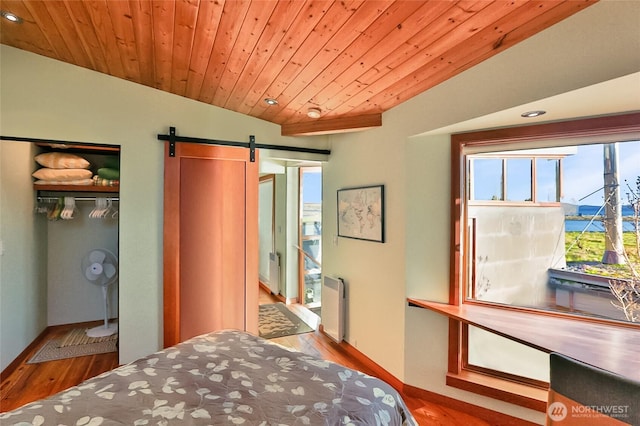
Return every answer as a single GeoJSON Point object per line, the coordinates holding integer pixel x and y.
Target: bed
{"type": "Point", "coordinates": [226, 377]}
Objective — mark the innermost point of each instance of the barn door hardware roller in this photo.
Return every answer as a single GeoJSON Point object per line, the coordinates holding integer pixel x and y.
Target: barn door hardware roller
{"type": "Point", "coordinates": [172, 138]}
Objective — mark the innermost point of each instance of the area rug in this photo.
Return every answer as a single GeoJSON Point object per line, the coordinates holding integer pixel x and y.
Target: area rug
{"type": "Point", "coordinates": [275, 320]}
{"type": "Point", "coordinates": [78, 336]}
{"type": "Point", "coordinates": [74, 344]}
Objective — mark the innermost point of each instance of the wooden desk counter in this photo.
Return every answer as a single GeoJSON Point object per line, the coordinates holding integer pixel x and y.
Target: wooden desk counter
{"type": "Point", "coordinates": [611, 347]}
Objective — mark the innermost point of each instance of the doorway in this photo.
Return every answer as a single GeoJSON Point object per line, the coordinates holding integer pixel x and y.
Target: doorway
{"type": "Point", "coordinates": [269, 259]}
{"type": "Point", "coordinates": [310, 238]}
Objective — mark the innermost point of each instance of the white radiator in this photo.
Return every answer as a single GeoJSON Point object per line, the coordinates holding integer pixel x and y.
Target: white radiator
{"type": "Point", "coordinates": [333, 301]}
{"type": "Point", "coordinates": [274, 273]}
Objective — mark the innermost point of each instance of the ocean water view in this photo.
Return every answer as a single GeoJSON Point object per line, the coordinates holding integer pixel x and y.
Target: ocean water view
{"type": "Point", "coordinates": [579, 225]}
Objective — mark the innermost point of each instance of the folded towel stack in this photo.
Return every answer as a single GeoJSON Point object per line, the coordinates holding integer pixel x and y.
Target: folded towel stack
{"type": "Point", "coordinates": [109, 175]}
{"type": "Point", "coordinates": [98, 181]}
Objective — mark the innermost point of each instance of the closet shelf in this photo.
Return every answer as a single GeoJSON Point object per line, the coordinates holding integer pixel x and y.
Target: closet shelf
{"type": "Point", "coordinates": [76, 188]}
{"type": "Point", "coordinates": [97, 155]}
{"type": "Point", "coordinates": [79, 147]}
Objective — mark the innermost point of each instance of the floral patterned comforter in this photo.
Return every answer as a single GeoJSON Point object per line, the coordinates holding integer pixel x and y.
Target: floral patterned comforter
{"type": "Point", "coordinates": [226, 377]}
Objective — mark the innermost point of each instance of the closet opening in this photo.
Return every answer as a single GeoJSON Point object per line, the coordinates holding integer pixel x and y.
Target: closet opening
{"type": "Point", "coordinates": [76, 227]}
{"type": "Point", "coordinates": [58, 207]}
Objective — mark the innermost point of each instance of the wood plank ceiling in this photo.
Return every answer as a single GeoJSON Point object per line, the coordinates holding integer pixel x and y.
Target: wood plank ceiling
{"type": "Point", "coordinates": [350, 59]}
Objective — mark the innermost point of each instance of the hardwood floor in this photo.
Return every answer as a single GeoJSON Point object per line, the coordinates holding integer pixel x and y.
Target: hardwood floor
{"type": "Point", "coordinates": [34, 381]}
{"type": "Point", "coordinates": [317, 344]}
{"type": "Point", "coordinates": [29, 382]}
{"type": "Point", "coordinates": [425, 412]}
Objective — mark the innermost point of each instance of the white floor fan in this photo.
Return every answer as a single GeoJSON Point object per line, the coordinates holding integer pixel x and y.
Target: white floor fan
{"type": "Point", "coordinates": [100, 267]}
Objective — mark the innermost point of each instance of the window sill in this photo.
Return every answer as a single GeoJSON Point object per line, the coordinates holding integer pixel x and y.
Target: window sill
{"type": "Point", "coordinates": [504, 390]}
{"type": "Point", "coordinates": [611, 347]}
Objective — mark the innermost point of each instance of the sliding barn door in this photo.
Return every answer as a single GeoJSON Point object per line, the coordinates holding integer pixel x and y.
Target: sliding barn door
{"type": "Point", "coordinates": [210, 241]}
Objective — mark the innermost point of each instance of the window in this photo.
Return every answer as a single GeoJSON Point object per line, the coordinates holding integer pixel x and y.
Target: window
{"type": "Point", "coordinates": [489, 179]}
{"type": "Point", "coordinates": [519, 245]}
{"type": "Point", "coordinates": [503, 177]}
{"type": "Point", "coordinates": [547, 180]}
{"type": "Point", "coordinates": [537, 212]}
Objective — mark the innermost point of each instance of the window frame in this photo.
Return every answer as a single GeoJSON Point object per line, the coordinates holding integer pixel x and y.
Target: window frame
{"type": "Point", "coordinates": [504, 158]}
{"type": "Point", "coordinates": [521, 391]}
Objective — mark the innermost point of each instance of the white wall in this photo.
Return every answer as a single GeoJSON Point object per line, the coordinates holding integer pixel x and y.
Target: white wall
{"type": "Point", "coordinates": [23, 256]}
{"type": "Point", "coordinates": [410, 155]}
{"type": "Point", "coordinates": [373, 272]}
{"type": "Point", "coordinates": [76, 104]}
{"type": "Point", "coordinates": [71, 298]}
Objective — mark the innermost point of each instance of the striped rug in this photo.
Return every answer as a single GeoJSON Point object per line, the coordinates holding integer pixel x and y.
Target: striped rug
{"type": "Point", "coordinates": [78, 336]}
{"type": "Point", "coordinates": [75, 344]}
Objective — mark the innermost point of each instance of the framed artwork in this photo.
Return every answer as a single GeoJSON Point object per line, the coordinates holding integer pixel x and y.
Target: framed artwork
{"type": "Point", "coordinates": [361, 213]}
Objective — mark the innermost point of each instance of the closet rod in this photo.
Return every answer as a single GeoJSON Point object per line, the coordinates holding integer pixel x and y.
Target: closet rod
{"type": "Point", "coordinates": [43, 199]}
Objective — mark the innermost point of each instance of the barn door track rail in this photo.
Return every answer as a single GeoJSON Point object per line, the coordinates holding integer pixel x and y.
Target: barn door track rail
{"type": "Point", "coordinates": [172, 138]}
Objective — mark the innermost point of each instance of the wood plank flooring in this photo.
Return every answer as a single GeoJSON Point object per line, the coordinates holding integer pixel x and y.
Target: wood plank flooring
{"type": "Point", "coordinates": [317, 344]}
{"type": "Point", "coordinates": [30, 382]}
{"type": "Point", "coordinates": [34, 381]}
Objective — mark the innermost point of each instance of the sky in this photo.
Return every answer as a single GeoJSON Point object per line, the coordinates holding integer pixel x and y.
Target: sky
{"type": "Point", "coordinates": [583, 173]}
{"type": "Point", "coordinates": [312, 187]}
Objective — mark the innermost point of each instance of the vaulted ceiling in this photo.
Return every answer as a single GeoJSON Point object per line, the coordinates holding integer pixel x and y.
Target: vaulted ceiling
{"type": "Point", "coordinates": [351, 60]}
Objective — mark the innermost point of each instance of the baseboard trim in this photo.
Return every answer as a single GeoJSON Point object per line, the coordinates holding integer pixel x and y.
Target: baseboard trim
{"type": "Point", "coordinates": [13, 366]}
{"type": "Point", "coordinates": [372, 365]}
{"type": "Point", "coordinates": [264, 287]}
{"type": "Point", "coordinates": [492, 417]}
{"type": "Point", "coordinates": [30, 349]}
{"type": "Point", "coordinates": [280, 297]}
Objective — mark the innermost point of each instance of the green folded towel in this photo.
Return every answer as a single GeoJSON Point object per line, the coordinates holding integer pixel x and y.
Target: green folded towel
{"type": "Point", "coordinates": [112, 162]}
{"type": "Point", "coordinates": [108, 173]}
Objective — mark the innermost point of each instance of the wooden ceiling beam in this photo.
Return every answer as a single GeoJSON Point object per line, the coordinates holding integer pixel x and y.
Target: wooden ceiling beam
{"type": "Point", "coordinates": [335, 125]}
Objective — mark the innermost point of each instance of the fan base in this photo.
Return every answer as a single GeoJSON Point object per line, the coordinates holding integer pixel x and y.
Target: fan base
{"type": "Point", "coordinates": [102, 331]}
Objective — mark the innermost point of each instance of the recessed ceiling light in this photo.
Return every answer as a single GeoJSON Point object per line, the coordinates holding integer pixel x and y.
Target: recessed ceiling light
{"type": "Point", "coordinates": [314, 113]}
{"type": "Point", "coordinates": [532, 114]}
{"type": "Point", "coordinates": [271, 101]}
{"type": "Point", "coordinates": [11, 17]}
